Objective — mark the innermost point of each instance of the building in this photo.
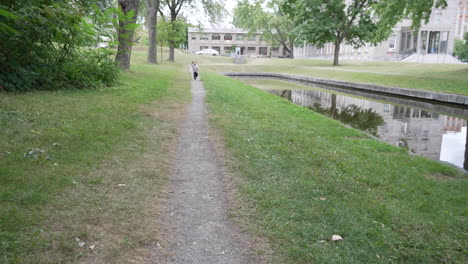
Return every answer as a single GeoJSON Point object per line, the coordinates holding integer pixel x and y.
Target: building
{"type": "Point", "coordinates": [461, 25]}
{"type": "Point", "coordinates": [433, 42]}
{"type": "Point", "coordinates": [226, 40]}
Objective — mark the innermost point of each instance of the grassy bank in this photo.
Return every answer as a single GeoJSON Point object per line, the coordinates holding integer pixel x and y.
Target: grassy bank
{"type": "Point", "coordinates": [448, 78]}
{"type": "Point", "coordinates": [306, 178]}
{"type": "Point", "coordinates": [85, 167]}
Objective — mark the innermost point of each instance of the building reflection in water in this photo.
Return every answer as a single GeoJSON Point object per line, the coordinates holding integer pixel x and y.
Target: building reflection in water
{"type": "Point", "coordinates": [429, 134]}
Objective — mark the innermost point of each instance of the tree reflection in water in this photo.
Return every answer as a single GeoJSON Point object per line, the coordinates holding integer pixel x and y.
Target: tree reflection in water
{"type": "Point", "coordinates": [366, 120]}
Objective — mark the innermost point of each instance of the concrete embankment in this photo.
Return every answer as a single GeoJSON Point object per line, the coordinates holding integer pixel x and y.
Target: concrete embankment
{"type": "Point", "coordinates": [412, 93]}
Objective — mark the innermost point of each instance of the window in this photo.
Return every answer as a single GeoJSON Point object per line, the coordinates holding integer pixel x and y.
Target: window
{"type": "Point", "coordinates": [251, 49]}
{"type": "Point", "coordinates": [228, 37]}
{"type": "Point", "coordinates": [391, 42]}
{"type": "Point", "coordinates": [386, 108]}
{"type": "Point", "coordinates": [194, 36]}
{"type": "Point", "coordinates": [424, 146]}
{"type": "Point", "coordinates": [227, 49]}
{"type": "Point", "coordinates": [239, 37]}
{"type": "Point", "coordinates": [218, 49]}
{"type": "Point", "coordinates": [262, 51]}
{"type": "Point", "coordinates": [274, 49]}
{"type": "Point", "coordinates": [443, 42]}
{"type": "Point", "coordinates": [215, 37]}
{"type": "Point", "coordinates": [203, 37]}
{"type": "Point", "coordinates": [203, 47]}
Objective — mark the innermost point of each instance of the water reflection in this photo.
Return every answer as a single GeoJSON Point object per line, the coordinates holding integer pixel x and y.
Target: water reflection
{"type": "Point", "coordinates": [426, 133]}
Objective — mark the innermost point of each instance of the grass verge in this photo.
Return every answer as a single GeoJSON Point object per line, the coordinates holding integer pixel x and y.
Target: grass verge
{"type": "Point", "coordinates": [86, 167]}
{"type": "Point", "coordinates": [447, 78]}
{"type": "Point", "coordinates": [308, 177]}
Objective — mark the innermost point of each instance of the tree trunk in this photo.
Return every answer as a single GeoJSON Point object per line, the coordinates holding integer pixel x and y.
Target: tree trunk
{"type": "Point", "coordinates": [171, 52]}
{"type": "Point", "coordinates": [336, 56]}
{"type": "Point", "coordinates": [291, 50]}
{"type": "Point", "coordinates": [124, 50]}
{"type": "Point", "coordinates": [333, 106]}
{"type": "Point", "coordinates": [152, 6]}
{"type": "Point", "coordinates": [171, 44]}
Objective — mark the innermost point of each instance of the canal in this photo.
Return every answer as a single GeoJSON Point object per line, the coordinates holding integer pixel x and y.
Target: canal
{"type": "Point", "coordinates": [435, 131]}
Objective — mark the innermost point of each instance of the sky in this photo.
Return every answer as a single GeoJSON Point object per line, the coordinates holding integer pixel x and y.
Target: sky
{"type": "Point", "coordinates": [453, 147]}
{"type": "Point", "coordinates": [198, 17]}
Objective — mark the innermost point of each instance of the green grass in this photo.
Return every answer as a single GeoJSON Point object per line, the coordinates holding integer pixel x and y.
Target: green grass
{"type": "Point", "coordinates": [85, 143]}
{"type": "Point", "coordinates": [448, 78]}
{"type": "Point", "coordinates": [307, 177]}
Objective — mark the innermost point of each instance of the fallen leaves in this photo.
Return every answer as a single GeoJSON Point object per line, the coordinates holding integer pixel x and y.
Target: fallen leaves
{"type": "Point", "coordinates": [82, 244]}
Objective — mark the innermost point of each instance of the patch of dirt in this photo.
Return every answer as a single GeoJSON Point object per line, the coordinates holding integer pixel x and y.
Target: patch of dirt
{"type": "Point", "coordinates": [444, 177]}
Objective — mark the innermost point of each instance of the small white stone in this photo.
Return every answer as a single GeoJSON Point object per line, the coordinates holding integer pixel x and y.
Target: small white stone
{"type": "Point", "coordinates": [336, 238]}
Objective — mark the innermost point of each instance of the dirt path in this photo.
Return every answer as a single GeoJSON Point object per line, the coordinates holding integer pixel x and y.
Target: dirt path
{"type": "Point", "coordinates": [197, 228]}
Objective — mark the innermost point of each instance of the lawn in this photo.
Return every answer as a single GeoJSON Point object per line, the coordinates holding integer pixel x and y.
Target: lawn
{"type": "Point", "coordinates": [448, 78]}
{"type": "Point", "coordinates": [86, 166]}
{"type": "Point", "coordinates": [305, 178]}
{"type": "Point", "coordinates": [81, 171]}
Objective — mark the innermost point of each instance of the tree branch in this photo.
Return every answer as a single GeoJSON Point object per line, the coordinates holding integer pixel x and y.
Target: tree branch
{"type": "Point", "coordinates": [350, 23]}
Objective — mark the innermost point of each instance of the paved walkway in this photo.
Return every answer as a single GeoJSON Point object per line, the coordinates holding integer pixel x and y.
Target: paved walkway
{"type": "Point", "coordinates": [197, 226]}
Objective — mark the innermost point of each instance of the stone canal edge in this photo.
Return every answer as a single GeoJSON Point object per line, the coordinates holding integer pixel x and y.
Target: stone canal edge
{"type": "Point", "coordinates": [461, 100]}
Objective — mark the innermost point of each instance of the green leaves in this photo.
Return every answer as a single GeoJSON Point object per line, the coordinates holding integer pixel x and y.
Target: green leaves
{"type": "Point", "coordinates": [5, 28]}
{"type": "Point", "coordinates": [267, 18]}
{"type": "Point", "coordinates": [39, 41]}
{"type": "Point", "coordinates": [461, 48]}
{"type": "Point", "coordinates": [173, 33]}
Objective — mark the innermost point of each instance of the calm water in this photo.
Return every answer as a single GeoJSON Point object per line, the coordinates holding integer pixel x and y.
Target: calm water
{"type": "Point", "coordinates": [435, 131]}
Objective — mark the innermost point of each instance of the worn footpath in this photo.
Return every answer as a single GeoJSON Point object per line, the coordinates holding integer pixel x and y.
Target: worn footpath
{"type": "Point", "coordinates": [197, 229]}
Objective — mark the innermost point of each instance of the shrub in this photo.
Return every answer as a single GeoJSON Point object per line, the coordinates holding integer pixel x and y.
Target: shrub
{"type": "Point", "coordinates": [89, 68]}
{"type": "Point", "coordinates": [461, 48]}
{"type": "Point", "coordinates": [42, 47]}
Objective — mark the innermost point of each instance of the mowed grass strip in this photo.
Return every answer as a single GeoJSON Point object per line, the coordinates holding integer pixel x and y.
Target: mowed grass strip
{"type": "Point", "coordinates": [86, 167]}
{"type": "Point", "coordinates": [446, 78]}
{"type": "Point", "coordinates": [307, 178]}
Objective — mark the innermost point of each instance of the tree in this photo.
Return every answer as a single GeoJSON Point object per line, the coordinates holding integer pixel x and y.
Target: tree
{"type": "Point", "coordinates": [152, 7]}
{"type": "Point", "coordinates": [356, 22]}
{"type": "Point", "coordinates": [390, 12]}
{"type": "Point", "coordinates": [172, 33]}
{"type": "Point", "coordinates": [213, 8]}
{"type": "Point", "coordinates": [274, 25]}
{"type": "Point", "coordinates": [127, 23]}
{"type": "Point", "coordinates": [324, 21]}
